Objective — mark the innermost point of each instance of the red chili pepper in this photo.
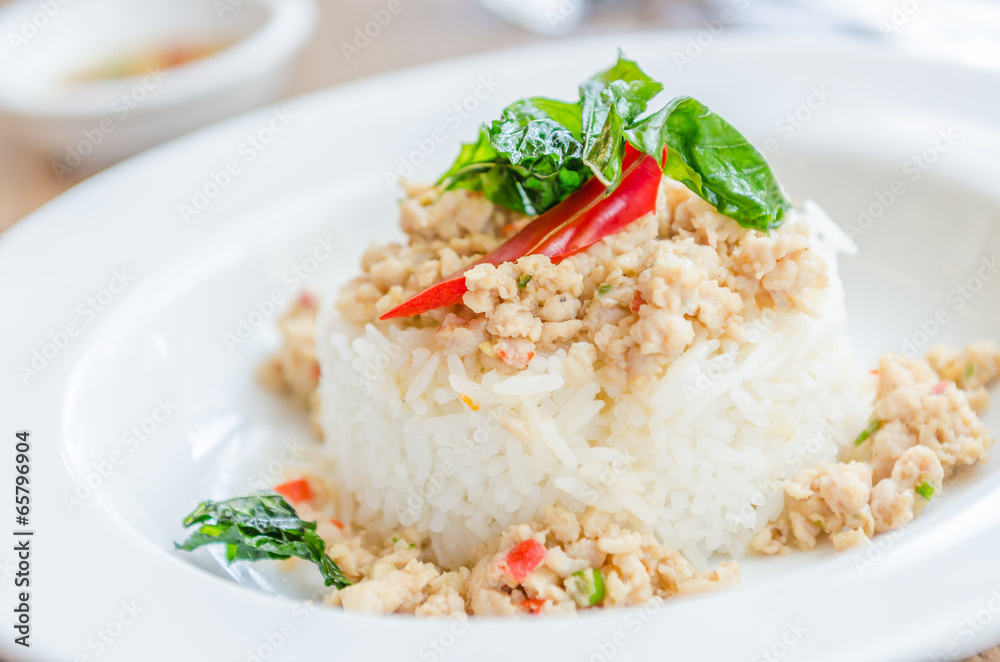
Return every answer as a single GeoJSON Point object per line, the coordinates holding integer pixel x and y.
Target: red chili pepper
{"type": "Point", "coordinates": [637, 302]}
{"type": "Point", "coordinates": [337, 523]}
{"type": "Point", "coordinates": [579, 221]}
{"type": "Point", "coordinates": [296, 491]}
{"type": "Point", "coordinates": [523, 558]}
{"type": "Point", "coordinates": [534, 605]}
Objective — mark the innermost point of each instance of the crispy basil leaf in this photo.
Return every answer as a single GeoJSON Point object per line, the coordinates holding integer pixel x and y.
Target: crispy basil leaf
{"type": "Point", "coordinates": [541, 150]}
{"type": "Point", "coordinates": [257, 527]}
{"type": "Point", "coordinates": [610, 101]}
{"type": "Point", "coordinates": [528, 160]}
{"type": "Point", "coordinates": [714, 160]}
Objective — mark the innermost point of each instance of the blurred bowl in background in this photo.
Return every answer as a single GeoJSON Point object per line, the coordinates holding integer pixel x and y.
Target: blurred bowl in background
{"type": "Point", "coordinates": [91, 82]}
{"type": "Point", "coordinates": [546, 17]}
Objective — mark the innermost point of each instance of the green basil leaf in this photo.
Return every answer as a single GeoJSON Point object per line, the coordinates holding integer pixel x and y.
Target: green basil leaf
{"type": "Point", "coordinates": [540, 150]}
{"type": "Point", "coordinates": [258, 527]}
{"type": "Point", "coordinates": [534, 133]}
{"type": "Point", "coordinates": [714, 160]}
{"type": "Point", "coordinates": [473, 159]}
{"type": "Point", "coordinates": [606, 149]}
{"type": "Point", "coordinates": [564, 113]}
{"type": "Point", "coordinates": [628, 71]}
{"type": "Point", "coordinates": [528, 160]}
{"type": "Point", "coordinates": [610, 101]}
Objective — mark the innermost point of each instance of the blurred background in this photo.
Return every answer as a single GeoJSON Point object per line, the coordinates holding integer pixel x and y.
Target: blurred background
{"type": "Point", "coordinates": [85, 83]}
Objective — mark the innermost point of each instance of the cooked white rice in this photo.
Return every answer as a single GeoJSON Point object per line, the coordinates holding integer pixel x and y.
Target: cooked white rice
{"type": "Point", "coordinates": [694, 458]}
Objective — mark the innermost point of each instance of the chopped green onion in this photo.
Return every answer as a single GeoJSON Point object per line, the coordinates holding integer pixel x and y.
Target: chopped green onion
{"type": "Point", "coordinates": [872, 428]}
{"type": "Point", "coordinates": [395, 539]}
{"type": "Point", "coordinates": [412, 545]}
{"type": "Point", "coordinates": [523, 280]}
{"type": "Point", "coordinates": [604, 289]}
{"type": "Point", "coordinates": [970, 370]}
{"type": "Point", "coordinates": [586, 587]}
{"type": "Point", "coordinates": [925, 489]}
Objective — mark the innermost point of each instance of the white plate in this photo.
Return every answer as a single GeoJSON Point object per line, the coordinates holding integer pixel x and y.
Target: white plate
{"type": "Point", "coordinates": [161, 338]}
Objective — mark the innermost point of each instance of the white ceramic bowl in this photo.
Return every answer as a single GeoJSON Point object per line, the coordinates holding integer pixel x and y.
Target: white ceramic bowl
{"type": "Point", "coordinates": [85, 126]}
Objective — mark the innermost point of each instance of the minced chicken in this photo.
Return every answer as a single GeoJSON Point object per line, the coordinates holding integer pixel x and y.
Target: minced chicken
{"type": "Point", "coordinates": [392, 576]}
{"type": "Point", "coordinates": [635, 300]}
{"type": "Point", "coordinates": [923, 430]}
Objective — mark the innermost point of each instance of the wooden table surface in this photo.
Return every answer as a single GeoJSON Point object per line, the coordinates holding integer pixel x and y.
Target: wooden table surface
{"type": "Point", "coordinates": [457, 27]}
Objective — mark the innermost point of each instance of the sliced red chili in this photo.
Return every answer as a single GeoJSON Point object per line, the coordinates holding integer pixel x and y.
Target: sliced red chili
{"type": "Point", "coordinates": [296, 491]}
{"type": "Point", "coordinates": [523, 558]}
{"type": "Point", "coordinates": [534, 605]}
{"type": "Point", "coordinates": [581, 220]}
{"type": "Point", "coordinates": [637, 302]}
{"type": "Point", "coordinates": [635, 197]}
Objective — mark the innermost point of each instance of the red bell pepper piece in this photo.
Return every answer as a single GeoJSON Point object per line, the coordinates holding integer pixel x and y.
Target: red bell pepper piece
{"type": "Point", "coordinates": [296, 491]}
{"type": "Point", "coordinates": [579, 221]}
{"type": "Point", "coordinates": [523, 558]}
{"type": "Point", "coordinates": [534, 605]}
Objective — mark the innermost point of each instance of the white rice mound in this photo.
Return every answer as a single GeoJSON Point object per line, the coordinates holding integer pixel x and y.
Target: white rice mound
{"type": "Point", "coordinates": [696, 458]}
